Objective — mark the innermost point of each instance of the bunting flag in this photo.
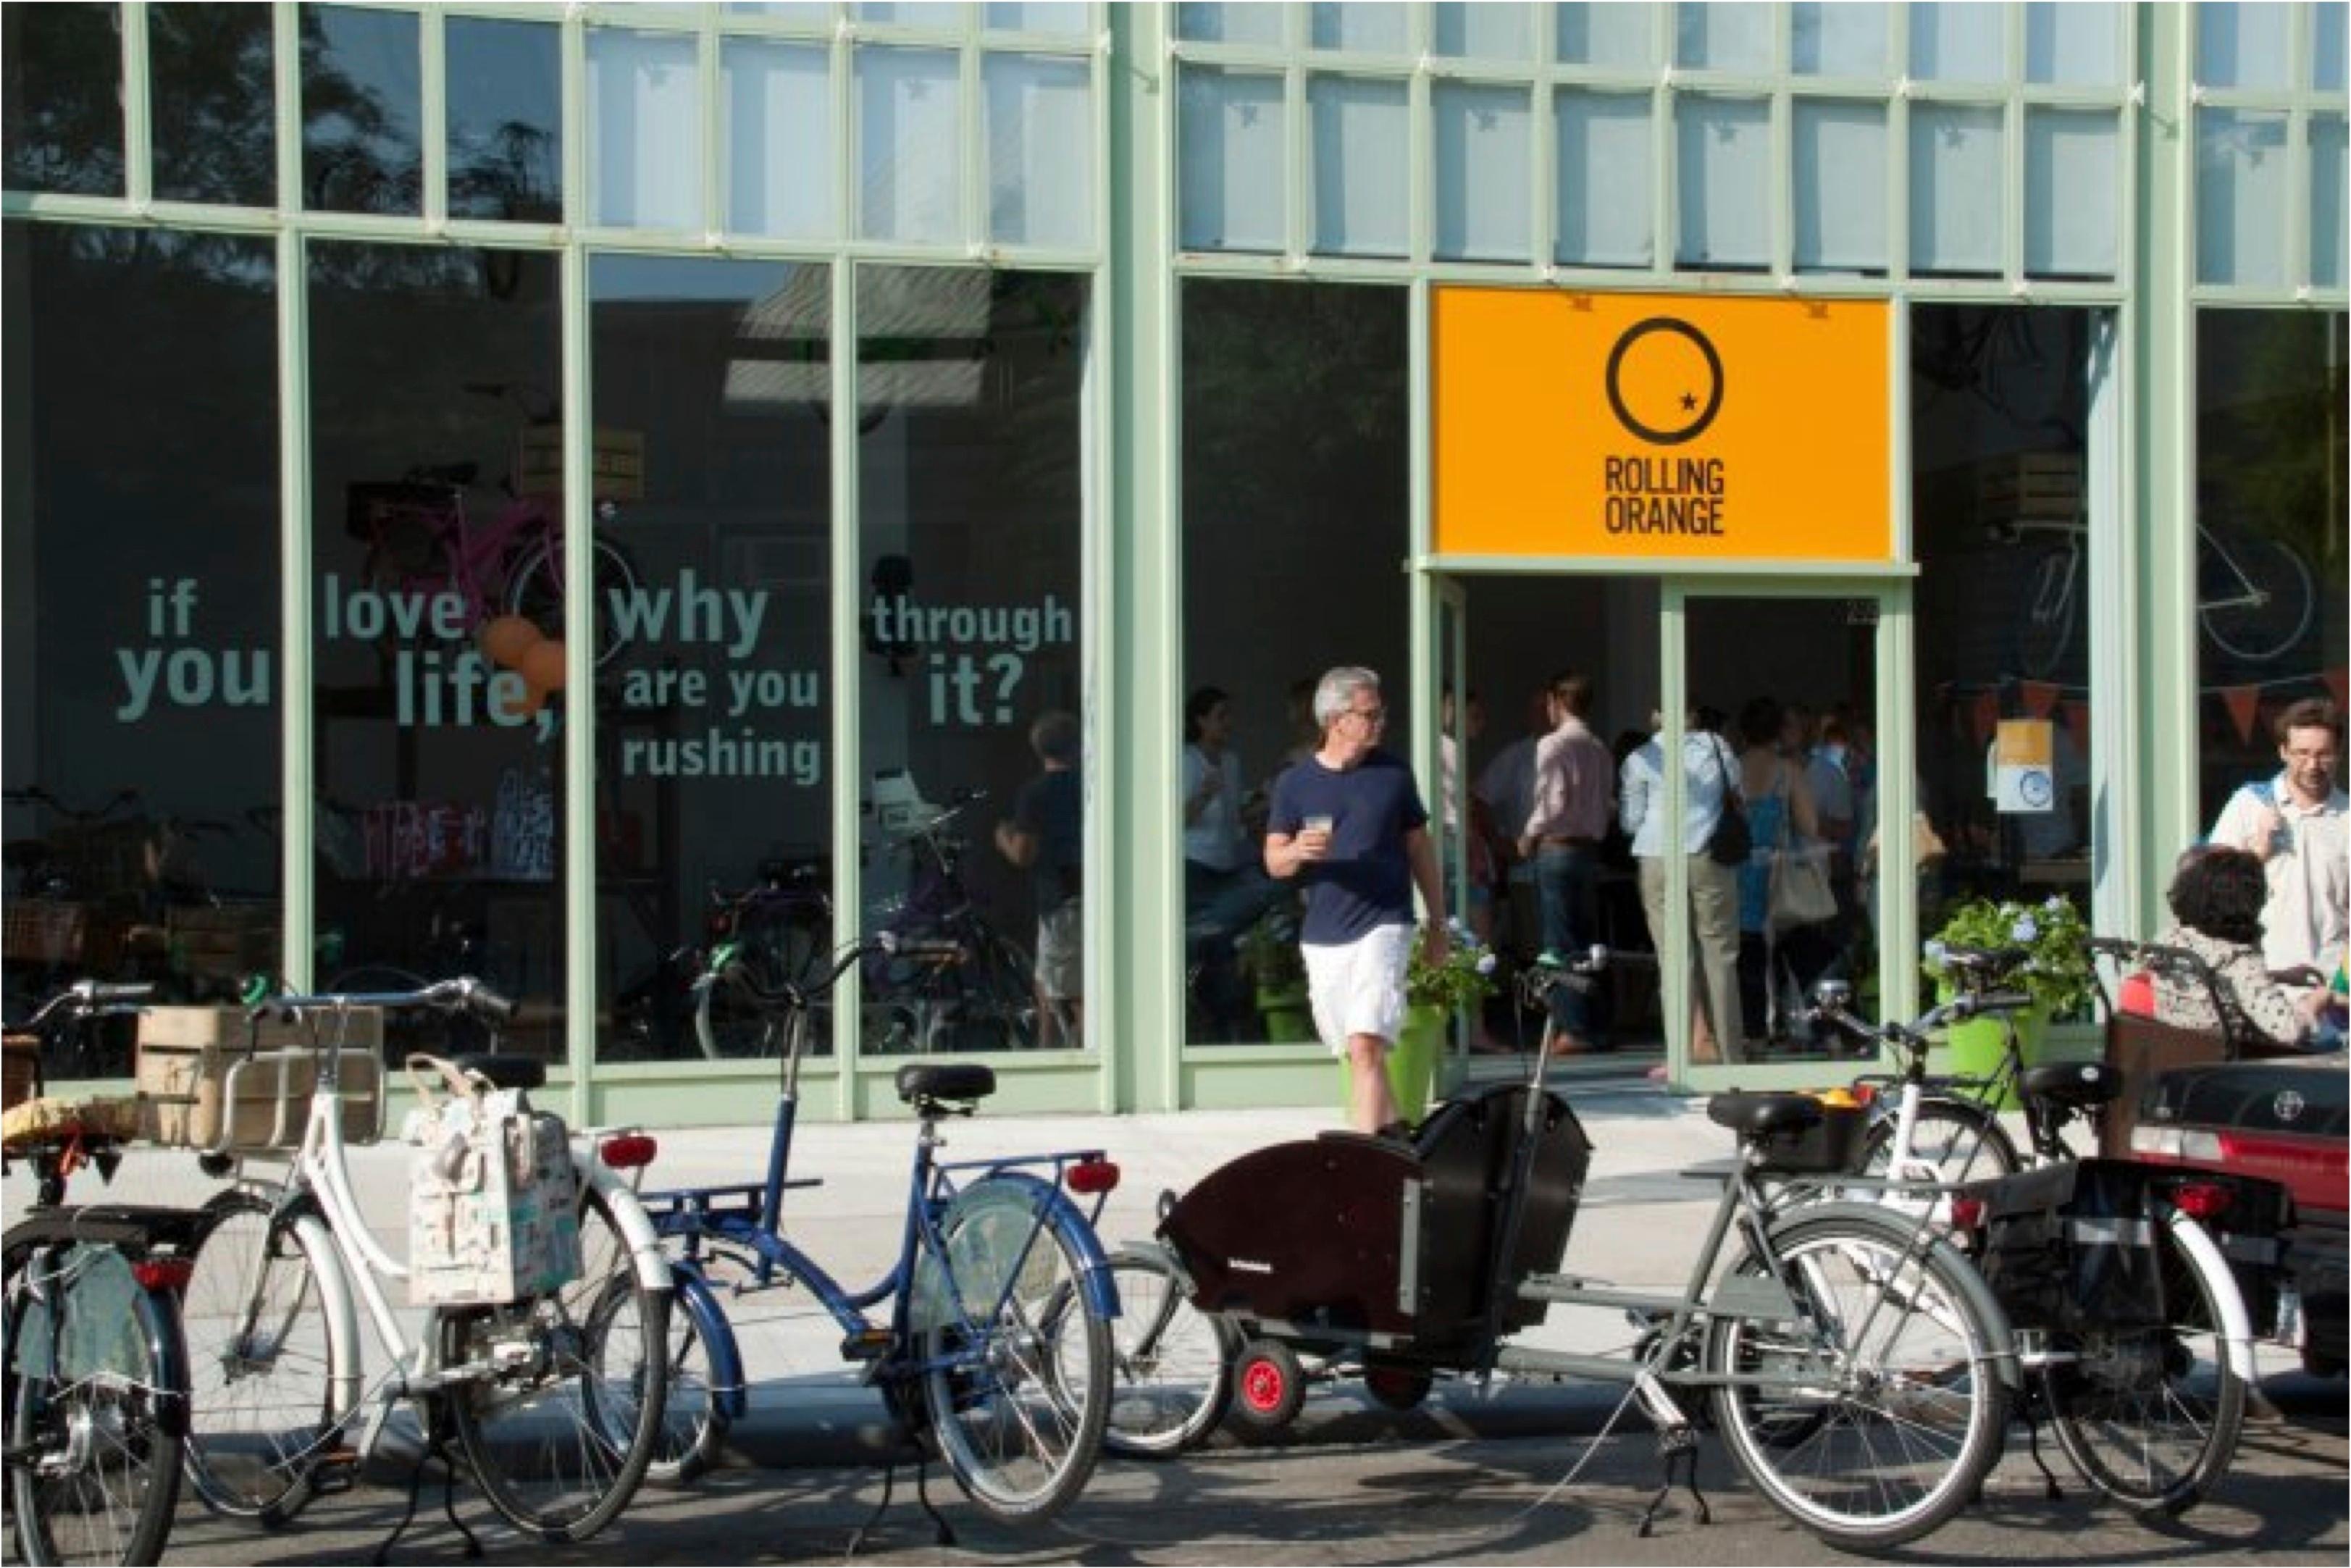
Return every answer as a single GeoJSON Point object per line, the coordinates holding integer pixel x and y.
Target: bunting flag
{"type": "Point", "coordinates": [1985, 716]}
{"type": "Point", "coordinates": [2335, 680]}
{"type": "Point", "coordinates": [2244, 705]}
{"type": "Point", "coordinates": [2040, 696]}
{"type": "Point", "coordinates": [2077, 719]}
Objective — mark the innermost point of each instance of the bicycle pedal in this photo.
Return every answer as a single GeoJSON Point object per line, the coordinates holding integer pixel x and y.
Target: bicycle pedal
{"type": "Point", "coordinates": [865, 1344]}
{"type": "Point", "coordinates": [338, 1470]}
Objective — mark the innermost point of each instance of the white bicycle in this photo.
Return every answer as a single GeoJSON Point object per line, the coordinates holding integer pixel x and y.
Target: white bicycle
{"type": "Point", "coordinates": [2253, 592]}
{"type": "Point", "coordinates": [553, 1401]}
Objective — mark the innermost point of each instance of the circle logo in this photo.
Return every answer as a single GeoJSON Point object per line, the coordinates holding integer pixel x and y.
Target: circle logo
{"type": "Point", "coordinates": [2033, 786]}
{"type": "Point", "coordinates": [1664, 381]}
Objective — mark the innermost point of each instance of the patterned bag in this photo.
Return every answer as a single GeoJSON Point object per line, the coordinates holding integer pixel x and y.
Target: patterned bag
{"type": "Point", "coordinates": [494, 1199]}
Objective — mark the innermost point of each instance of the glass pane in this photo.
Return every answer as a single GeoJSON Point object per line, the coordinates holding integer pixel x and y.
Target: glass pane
{"type": "Point", "coordinates": [1723, 169]}
{"type": "Point", "coordinates": [1040, 150]}
{"type": "Point", "coordinates": [2072, 195]}
{"type": "Point", "coordinates": [362, 104]}
{"type": "Point", "coordinates": [810, 13]}
{"type": "Point", "coordinates": [2328, 174]}
{"type": "Point", "coordinates": [713, 765]}
{"type": "Point", "coordinates": [1838, 40]}
{"type": "Point", "coordinates": [63, 96]}
{"type": "Point", "coordinates": [910, 134]}
{"type": "Point", "coordinates": [2246, 44]}
{"type": "Point", "coordinates": [135, 642]}
{"type": "Point", "coordinates": [1604, 215]}
{"type": "Point", "coordinates": [1363, 158]}
{"type": "Point", "coordinates": [1484, 32]}
{"type": "Point", "coordinates": [644, 129]}
{"type": "Point", "coordinates": [1620, 36]}
{"type": "Point", "coordinates": [1840, 187]}
{"type": "Point", "coordinates": [2241, 195]}
{"type": "Point", "coordinates": [780, 153]}
{"type": "Point", "coordinates": [1222, 24]}
{"type": "Point", "coordinates": [2327, 48]}
{"type": "Point", "coordinates": [1484, 142]}
{"type": "Point", "coordinates": [1064, 17]}
{"type": "Point", "coordinates": [971, 686]}
{"type": "Point", "coordinates": [2079, 44]}
{"type": "Point", "coordinates": [1368, 27]}
{"type": "Point", "coordinates": [1296, 407]}
{"type": "Point", "coordinates": [1955, 185]}
{"type": "Point", "coordinates": [213, 96]}
{"type": "Point", "coordinates": [2271, 565]}
{"type": "Point", "coordinates": [505, 120]}
{"type": "Point", "coordinates": [1723, 36]}
{"type": "Point", "coordinates": [438, 626]}
{"type": "Point", "coordinates": [934, 15]}
{"type": "Point", "coordinates": [1958, 40]}
{"type": "Point", "coordinates": [1232, 155]}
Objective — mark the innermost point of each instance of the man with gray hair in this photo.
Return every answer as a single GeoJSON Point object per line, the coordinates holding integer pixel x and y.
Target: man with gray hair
{"type": "Point", "coordinates": [1347, 820]}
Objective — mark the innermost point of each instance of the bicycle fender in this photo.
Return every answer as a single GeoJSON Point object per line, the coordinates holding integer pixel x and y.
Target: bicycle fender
{"type": "Point", "coordinates": [700, 1304]}
{"type": "Point", "coordinates": [1905, 1229]}
{"type": "Point", "coordinates": [168, 1344]}
{"type": "Point", "coordinates": [2203, 1254]}
{"type": "Point", "coordinates": [1070, 1222]}
{"type": "Point", "coordinates": [637, 1231]}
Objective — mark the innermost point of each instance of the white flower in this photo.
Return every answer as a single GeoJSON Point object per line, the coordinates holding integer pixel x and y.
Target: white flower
{"type": "Point", "coordinates": [1484, 963]}
{"type": "Point", "coordinates": [2057, 905]}
{"type": "Point", "coordinates": [2024, 931]}
{"type": "Point", "coordinates": [1937, 951]}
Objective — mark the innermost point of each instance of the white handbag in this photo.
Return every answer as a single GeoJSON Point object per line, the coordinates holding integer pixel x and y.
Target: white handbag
{"type": "Point", "coordinates": [494, 1200]}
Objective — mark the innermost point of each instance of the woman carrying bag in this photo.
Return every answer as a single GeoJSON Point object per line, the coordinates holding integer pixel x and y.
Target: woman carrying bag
{"type": "Point", "coordinates": [1780, 818]}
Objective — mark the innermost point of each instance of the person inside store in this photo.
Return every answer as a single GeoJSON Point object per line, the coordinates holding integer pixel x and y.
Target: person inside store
{"type": "Point", "coordinates": [1348, 823]}
{"type": "Point", "coordinates": [1709, 778]}
{"type": "Point", "coordinates": [2217, 896]}
{"type": "Point", "coordinates": [1574, 781]}
{"type": "Point", "coordinates": [2293, 824]}
{"type": "Point", "coordinates": [1507, 789]}
{"type": "Point", "coordinates": [1045, 836]}
{"type": "Point", "coordinates": [1226, 890]}
{"type": "Point", "coordinates": [1781, 819]}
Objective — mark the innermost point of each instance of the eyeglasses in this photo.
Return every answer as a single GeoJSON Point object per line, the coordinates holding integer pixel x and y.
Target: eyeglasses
{"type": "Point", "coordinates": [1373, 716]}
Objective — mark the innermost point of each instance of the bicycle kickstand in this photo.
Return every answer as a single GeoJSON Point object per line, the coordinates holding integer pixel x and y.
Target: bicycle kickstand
{"type": "Point", "coordinates": [436, 1446]}
{"type": "Point", "coordinates": [1676, 1449]}
{"type": "Point", "coordinates": [946, 1536]}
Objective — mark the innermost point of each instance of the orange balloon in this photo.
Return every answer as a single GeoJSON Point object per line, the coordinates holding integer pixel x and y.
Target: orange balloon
{"type": "Point", "coordinates": [542, 664]}
{"type": "Point", "coordinates": [507, 638]}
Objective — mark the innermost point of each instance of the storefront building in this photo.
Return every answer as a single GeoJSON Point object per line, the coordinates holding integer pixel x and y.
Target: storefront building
{"type": "Point", "coordinates": [537, 491]}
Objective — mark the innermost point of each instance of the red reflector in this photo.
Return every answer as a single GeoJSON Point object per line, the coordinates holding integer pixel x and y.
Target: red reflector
{"type": "Point", "coordinates": [1092, 1177]}
{"type": "Point", "coordinates": [629, 1151]}
{"type": "Point", "coordinates": [1864, 1094]}
{"type": "Point", "coordinates": [1966, 1213]}
{"type": "Point", "coordinates": [163, 1274]}
{"type": "Point", "coordinates": [2200, 1199]}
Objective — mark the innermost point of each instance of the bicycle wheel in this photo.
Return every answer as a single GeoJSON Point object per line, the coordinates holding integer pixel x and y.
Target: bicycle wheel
{"type": "Point", "coordinates": [2262, 604]}
{"type": "Point", "coordinates": [1959, 1138]}
{"type": "Point", "coordinates": [93, 1475]}
{"type": "Point", "coordinates": [2044, 633]}
{"type": "Point", "coordinates": [263, 1364]}
{"type": "Point", "coordinates": [563, 1421]}
{"type": "Point", "coordinates": [2152, 1415]}
{"type": "Point", "coordinates": [694, 1426]}
{"type": "Point", "coordinates": [1017, 1391]}
{"type": "Point", "coordinates": [1173, 1362]}
{"type": "Point", "coordinates": [1883, 1411]}
{"type": "Point", "coordinates": [535, 593]}
{"type": "Point", "coordinates": [999, 993]}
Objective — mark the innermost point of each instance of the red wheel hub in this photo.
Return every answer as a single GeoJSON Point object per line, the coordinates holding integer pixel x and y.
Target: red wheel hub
{"type": "Point", "coordinates": [1262, 1384]}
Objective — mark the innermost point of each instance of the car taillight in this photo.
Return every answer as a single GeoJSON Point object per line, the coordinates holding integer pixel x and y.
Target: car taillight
{"type": "Point", "coordinates": [628, 1151]}
{"type": "Point", "coordinates": [1089, 1178]}
{"type": "Point", "coordinates": [2177, 1143]}
{"type": "Point", "coordinates": [163, 1274]}
{"type": "Point", "coordinates": [2200, 1199]}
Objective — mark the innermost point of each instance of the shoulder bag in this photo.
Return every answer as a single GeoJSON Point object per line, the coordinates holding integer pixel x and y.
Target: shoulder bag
{"type": "Point", "coordinates": [1732, 840]}
{"type": "Point", "coordinates": [1799, 894]}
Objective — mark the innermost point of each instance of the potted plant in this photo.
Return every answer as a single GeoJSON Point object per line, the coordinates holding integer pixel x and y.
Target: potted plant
{"type": "Point", "coordinates": [1433, 993]}
{"type": "Point", "coordinates": [2059, 978]}
{"type": "Point", "coordinates": [1268, 951]}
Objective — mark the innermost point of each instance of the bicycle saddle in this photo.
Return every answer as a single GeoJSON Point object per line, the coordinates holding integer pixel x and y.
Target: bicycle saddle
{"type": "Point", "coordinates": [504, 1070]}
{"type": "Point", "coordinates": [2083, 1085]}
{"type": "Point", "coordinates": [963, 1080]}
{"type": "Point", "coordinates": [1755, 1116]}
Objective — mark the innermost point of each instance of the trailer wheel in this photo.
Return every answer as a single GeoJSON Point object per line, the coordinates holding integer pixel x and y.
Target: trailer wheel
{"type": "Point", "coordinates": [1397, 1387]}
{"type": "Point", "coordinates": [1268, 1386]}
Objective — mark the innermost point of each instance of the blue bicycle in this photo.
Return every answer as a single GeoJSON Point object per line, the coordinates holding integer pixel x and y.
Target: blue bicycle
{"type": "Point", "coordinates": [993, 1331]}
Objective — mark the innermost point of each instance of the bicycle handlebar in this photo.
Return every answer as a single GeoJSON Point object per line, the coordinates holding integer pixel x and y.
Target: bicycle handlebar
{"type": "Point", "coordinates": [1917, 1035]}
{"type": "Point", "coordinates": [91, 999]}
{"type": "Point", "coordinates": [727, 960]}
{"type": "Point", "coordinates": [461, 994]}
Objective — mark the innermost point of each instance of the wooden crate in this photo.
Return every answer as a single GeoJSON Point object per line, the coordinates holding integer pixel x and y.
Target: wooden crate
{"type": "Point", "coordinates": [209, 1078]}
{"type": "Point", "coordinates": [224, 941]}
{"type": "Point", "coordinates": [2031, 485]}
{"type": "Point", "coordinates": [618, 464]}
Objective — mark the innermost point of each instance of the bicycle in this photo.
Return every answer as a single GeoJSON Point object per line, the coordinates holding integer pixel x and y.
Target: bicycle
{"type": "Point", "coordinates": [993, 1329]}
{"type": "Point", "coordinates": [2253, 596]}
{"type": "Point", "coordinates": [984, 999]}
{"type": "Point", "coordinates": [95, 1385]}
{"type": "Point", "coordinates": [554, 1400]}
{"type": "Point", "coordinates": [2126, 1389]}
{"type": "Point", "coordinates": [781, 930]}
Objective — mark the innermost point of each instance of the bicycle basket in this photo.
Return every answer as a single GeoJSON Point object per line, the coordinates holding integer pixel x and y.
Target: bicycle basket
{"type": "Point", "coordinates": [2071, 1247]}
{"type": "Point", "coordinates": [208, 1081]}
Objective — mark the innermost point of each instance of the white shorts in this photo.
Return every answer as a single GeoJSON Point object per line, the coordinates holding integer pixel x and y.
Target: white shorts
{"type": "Point", "coordinates": [1357, 988]}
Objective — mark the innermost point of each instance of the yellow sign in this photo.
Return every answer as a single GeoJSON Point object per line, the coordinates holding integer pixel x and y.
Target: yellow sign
{"type": "Point", "coordinates": [1688, 428]}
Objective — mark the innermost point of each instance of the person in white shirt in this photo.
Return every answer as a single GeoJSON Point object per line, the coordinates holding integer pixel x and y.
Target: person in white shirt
{"type": "Point", "coordinates": [2294, 825]}
{"type": "Point", "coordinates": [1225, 891]}
{"type": "Point", "coordinates": [1708, 772]}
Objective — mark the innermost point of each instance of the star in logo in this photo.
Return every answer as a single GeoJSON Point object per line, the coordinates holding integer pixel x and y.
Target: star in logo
{"type": "Point", "coordinates": [1689, 402]}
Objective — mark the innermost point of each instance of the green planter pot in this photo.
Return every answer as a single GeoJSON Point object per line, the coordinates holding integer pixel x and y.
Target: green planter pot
{"type": "Point", "coordinates": [1289, 1017]}
{"type": "Point", "coordinates": [1411, 1064]}
{"type": "Point", "coordinates": [1976, 1048]}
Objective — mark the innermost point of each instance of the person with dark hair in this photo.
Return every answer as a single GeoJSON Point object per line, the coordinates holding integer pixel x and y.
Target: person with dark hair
{"type": "Point", "coordinates": [1045, 836]}
{"type": "Point", "coordinates": [2293, 824]}
{"type": "Point", "coordinates": [1226, 892]}
{"type": "Point", "coordinates": [1782, 822]}
{"type": "Point", "coordinates": [1574, 784]}
{"type": "Point", "coordinates": [2216, 897]}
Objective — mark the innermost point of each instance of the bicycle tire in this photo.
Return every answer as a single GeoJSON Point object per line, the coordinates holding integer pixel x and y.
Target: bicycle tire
{"type": "Point", "coordinates": [1961, 1139]}
{"type": "Point", "coordinates": [693, 1424]}
{"type": "Point", "coordinates": [2283, 598]}
{"type": "Point", "coordinates": [559, 1437]}
{"type": "Point", "coordinates": [2044, 633]}
{"type": "Point", "coordinates": [1174, 1362]}
{"type": "Point", "coordinates": [535, 593]}
{"type": "Point", "coordinates": [93, 1471]}
{"type": "Point", "coordinates": [2150, 1417]}
{"type": "Point", "coordinates": [264, 1368]}
{"type": "Point", "coordinates": [1920, 1373]}
{"type": "Point", "coordinates": [1000, 985]}
{"type": "Point", "coordinates": [1017, 1393]}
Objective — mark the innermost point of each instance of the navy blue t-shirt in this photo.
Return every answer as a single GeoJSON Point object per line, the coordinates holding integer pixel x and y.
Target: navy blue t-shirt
{"type": "Point", "coordinates": [1367, 882]}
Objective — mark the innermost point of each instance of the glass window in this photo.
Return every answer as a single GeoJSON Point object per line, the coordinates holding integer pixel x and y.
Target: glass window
{"type": "Point", "coordinates": [1224, 24]}
{"type": "Point", "coordinates": [2241, 195]}
{"type": "Point", "coordinates": [2270, 521]}
{"type": "Point", "coordinates": [2327, 175]}
{"type": "Point", "coordinates": [1485, 141]}
{"type": "Point", "coordinates": [438, 628]}
{"type": "Point", "coordinates": [1723, 36]}
{"type": "Point", "coordinates": [714, 683]}
{"type": "Point", "coordinates": [805, 13]}
{"type": "Point", "coordinates": [1954, 189]}
{"type": "Point", "coordinates": [213, 96]}
{"type": "Point", "coordinates": [1363, 157]}
{"type": "Point", "coordinates": [1234, 151]}
{"type": "Point", "coordinates": [1958, 40]}
{"type": "Point", "coordinates": [644, 129]}
{"type": "Point", "coordinates": [780, 140]}
{"type": "Point", "coordinates": [63, 99]}
{"type": "Point", "coordinates": [362, 107]}
{"type": "Point", "coordinates": [2245, 46]}
{"type": "Point", "coordinates": [934, 15]}
{"type": "Point", "coordinates": [1840, 173]}
{"type": "Point", "coordinates": [141, 585]}
{"type": "Point", "coordinates": [2327, 47]}
{"type": "Point", "coordinates": [1040, 150]}
{"type": "Point", "coordinates": [972, 694]}
{"type": "Point", "coordinates": [1065, 17]}
{"type": "Point", "coordinates": [505, 120]}
{"type": "Point", "coordinates": [1484, 32]}
{"type": "Point", "coordinates": [1604, 212]}
{"type": "Point", "coordinates": [1296, 432]}
{"type": "Point", "coordinates": [909, 132]}
{"type": "Point", "coordinates": [1618, 36]}
{"type": "Point", "coordinates": [1837, 40]}
{"type": "Point", "coordinates": [2079, 44]}
{"type": "Point", "coordinates": [1723, 181]}
{"type": "Point", "coordinates": [1366, 26]}
{"type": "Point", "coordinates": [2072, 195]}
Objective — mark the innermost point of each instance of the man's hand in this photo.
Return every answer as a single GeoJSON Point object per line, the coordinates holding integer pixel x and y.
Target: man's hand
{"type": "Point", "coordinates": [1440, 941]}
